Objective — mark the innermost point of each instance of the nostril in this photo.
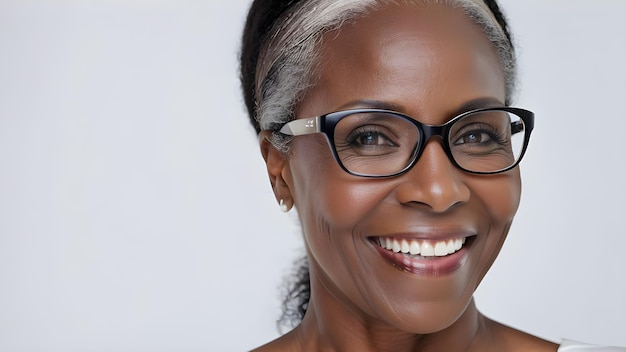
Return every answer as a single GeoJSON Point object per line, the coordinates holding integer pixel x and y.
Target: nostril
{"type": "Point", "coordinates": [433, 181]}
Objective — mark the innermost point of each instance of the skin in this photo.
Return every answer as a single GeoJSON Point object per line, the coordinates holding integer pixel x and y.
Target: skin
{"type": "Point", "coordinates": [430, 63]}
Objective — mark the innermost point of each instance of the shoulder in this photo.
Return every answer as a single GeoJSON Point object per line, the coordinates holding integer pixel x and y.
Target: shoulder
{"type": "Point", "coordinates": [510, 339]}
{"type": "Point", "coordinates": [274, 346]}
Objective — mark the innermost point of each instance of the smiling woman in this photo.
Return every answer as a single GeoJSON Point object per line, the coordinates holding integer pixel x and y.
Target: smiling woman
{"type": "Point", "coordinates": [133, 198]}
{"type": "Point", "coordinates": [388, 126]}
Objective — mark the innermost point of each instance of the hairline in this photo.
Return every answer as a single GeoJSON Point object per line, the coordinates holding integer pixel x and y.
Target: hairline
{"type": "Point", "coordinates": [287, 60]}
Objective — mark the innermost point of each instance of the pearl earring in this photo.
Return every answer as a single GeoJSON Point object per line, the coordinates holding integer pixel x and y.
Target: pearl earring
{"type": "Point", "coordinates": [283, 206]}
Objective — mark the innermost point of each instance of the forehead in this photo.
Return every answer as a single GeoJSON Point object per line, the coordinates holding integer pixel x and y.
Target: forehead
{"type": "Point", "coordinates": [402, 53]}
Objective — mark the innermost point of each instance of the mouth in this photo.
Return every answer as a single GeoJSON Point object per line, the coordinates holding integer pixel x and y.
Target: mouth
{"type": "Point", "coordinates": [424, 257]}
{"type": "Point", "coordinates": [421, 248]}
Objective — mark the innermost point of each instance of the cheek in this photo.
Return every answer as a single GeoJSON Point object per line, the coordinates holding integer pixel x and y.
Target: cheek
{"type": "Point", "coordinates": [331, 204]}
{"type": "Point", "coordinates": [500, 196]}
{"type": "Point", "coordinates": [327, 197]}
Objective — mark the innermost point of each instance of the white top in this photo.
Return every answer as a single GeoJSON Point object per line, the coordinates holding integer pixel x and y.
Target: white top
{"type": "Point", "coordinates": [573, 346]}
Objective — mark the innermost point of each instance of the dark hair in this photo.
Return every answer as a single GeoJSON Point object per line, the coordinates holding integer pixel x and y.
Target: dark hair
{"type": "Point", "coordinates": [502, 20]}
{"type": "Point", "coordinates": [262, 17]}
{"type": "Point", "coordinates": [296, 295]}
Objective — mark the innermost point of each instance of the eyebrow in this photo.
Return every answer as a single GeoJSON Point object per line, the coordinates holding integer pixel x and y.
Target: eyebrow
{"type": "Point", "coordinates": [372, 104]}
{"type": "Point", "coordinates": [479, 103]}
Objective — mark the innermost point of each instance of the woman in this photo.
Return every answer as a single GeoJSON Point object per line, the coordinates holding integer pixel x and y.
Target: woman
{"type": "Point", "coordinates": [388, 126]}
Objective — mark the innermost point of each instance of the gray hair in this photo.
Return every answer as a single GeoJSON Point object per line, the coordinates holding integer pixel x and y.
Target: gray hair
{"type": "Point", "coordinates": [286, 61]}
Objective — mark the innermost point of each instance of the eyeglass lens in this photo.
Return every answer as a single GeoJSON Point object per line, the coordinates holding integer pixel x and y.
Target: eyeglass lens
{"type": "Point", "coordinates": [382, 143]}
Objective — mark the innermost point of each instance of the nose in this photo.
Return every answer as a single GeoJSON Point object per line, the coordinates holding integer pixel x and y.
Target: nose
{"type": "Point", "coordinates": [433, 181]}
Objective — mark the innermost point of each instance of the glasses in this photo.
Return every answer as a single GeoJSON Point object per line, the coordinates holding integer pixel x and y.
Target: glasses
{"type": "Point", "coordinates": [381, 143]}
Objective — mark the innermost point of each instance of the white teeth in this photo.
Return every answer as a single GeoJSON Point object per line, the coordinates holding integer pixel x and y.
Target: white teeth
{"type": "Point", "coordinates": [396, 246]}
{"type": "Point", "coordinates": [427, 250]}
{"type": "Point", "coordinates": [404, 246]}
{"type": "Point", "coordinates": [441, 249]}
{"type": "Point", "coordinates": [422, 247]}
{"type": "Point", "coordinates": [458, 243]}
{"type": "Point", "coordinates": [450, 246]}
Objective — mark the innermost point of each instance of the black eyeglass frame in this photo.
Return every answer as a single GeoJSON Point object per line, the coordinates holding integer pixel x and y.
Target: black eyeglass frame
{"type": "Point", "coordinates": [326, 124]}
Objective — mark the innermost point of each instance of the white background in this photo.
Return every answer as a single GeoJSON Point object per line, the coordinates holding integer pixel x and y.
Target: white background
{"type": "Point", "coordinates": [136, 215]}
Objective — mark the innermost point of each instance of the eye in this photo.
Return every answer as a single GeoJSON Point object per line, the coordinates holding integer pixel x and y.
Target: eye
{"type": "Point", "coordinates": [368, 140]}
{"type": "Point", "coordinates": [479, 134]}
{"type": "Point", "coordinates": [371, 138]}
{"type": "Point", "coordinates": [473, 138]}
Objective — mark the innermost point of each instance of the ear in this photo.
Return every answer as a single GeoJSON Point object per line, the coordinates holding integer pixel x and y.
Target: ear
{"type": "Point", "coordinates": [276, 162]}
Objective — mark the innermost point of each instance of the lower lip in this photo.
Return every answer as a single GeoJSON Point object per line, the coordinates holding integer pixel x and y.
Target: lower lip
{"type": "Point", "coordinates": [426, 266]}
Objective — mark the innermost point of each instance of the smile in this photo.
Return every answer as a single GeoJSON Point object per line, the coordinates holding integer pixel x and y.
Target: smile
{"type": "Point", "coordinates": [421, 248]}
{"type": "Point", "coordinates": [424, 257]}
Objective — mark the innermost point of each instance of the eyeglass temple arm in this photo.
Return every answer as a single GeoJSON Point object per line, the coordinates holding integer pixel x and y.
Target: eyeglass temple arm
{"type": "Point", "coordinates": [302, 126]}
{"type": "Point", "coordinates": [516, 127]}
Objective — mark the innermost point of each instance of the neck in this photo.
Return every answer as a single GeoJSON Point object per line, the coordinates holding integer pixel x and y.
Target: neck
{"type": "Point", "coordinates": [330, 325]}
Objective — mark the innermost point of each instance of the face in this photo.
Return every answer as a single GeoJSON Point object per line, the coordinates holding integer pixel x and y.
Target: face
{"type": "Point", "coordinates": [430, 63]}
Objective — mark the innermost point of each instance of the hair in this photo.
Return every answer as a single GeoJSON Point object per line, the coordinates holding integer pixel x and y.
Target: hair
{"type": "Point", "coordinates": [280, 48]}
